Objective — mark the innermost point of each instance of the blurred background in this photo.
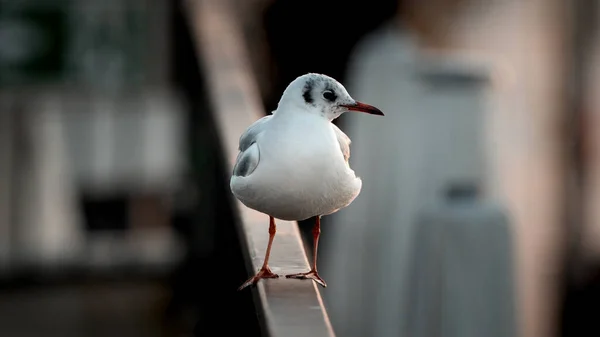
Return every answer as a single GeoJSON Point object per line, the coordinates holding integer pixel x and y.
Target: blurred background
{"type": "Point", "coordinates": [480, 209]}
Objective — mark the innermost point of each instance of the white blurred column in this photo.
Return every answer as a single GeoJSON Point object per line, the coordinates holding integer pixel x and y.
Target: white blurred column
{"type": "Point", "coordinates": [50, 232]}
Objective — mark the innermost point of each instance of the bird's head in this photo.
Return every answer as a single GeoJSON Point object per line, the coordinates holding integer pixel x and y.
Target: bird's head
{"type": "Point", "coordinates": [323, 95]}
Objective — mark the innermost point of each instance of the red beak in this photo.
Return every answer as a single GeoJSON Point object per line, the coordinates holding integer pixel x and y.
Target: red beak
{"type": "Point", "coordinates": [362, 107]}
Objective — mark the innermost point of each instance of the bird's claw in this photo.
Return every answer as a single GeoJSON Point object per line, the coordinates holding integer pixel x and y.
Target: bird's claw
{"type": "Point", "coordinates": [264, 272]}
{"type": "Point", "coordinates": [313, 274]}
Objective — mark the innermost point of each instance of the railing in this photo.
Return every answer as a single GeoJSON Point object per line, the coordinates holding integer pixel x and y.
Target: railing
{"type": "Point", "coordinates": [287, 307]}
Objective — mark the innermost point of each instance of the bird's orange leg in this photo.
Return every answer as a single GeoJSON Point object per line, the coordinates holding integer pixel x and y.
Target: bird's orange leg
{"type": "Point", "coordinates": [265, 271]}
{"type": "Point", "coordinates": [313, 273]}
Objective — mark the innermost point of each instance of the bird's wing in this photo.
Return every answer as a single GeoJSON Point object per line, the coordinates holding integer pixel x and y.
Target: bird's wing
{"type": "Point", "coordinates": [249, 155]}
{"type": "Point", "coordinates": [249, 136]}
{"type": "Point", "coordinates": [344, 142]}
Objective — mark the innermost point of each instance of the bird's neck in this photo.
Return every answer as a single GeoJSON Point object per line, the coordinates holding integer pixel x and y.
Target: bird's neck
{"type": "Point", "coordinates": [295, 112]}
{"type": "Point", "coordinates": [286, 105]}
{"type": "Point", "coordinates": [291, 107]}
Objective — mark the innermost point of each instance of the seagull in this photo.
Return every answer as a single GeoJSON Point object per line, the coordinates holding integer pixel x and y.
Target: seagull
{"type": "Point", "coordinates": [293, 164]}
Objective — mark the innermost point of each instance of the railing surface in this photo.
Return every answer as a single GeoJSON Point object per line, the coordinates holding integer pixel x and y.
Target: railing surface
{"type": "Point", "coordinates": [288, 307]}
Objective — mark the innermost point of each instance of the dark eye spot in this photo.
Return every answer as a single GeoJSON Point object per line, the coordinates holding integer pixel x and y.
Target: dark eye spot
{"type": "Point", "coordinates": [329, 95]}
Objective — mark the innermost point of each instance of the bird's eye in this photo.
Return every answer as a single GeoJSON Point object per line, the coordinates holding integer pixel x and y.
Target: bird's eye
{"type": "Point", "coordinates": [329, 95]}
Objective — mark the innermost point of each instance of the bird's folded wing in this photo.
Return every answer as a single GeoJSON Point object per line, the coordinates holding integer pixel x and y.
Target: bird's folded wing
{"type": "Point", "coordinates": [249, 156]}
{"type": "Point", "coordinates": [249, 136]}
{"type": "Point", "coordinates": [247, 161]}
{"type": "Point", "coordinates": [344, 142]}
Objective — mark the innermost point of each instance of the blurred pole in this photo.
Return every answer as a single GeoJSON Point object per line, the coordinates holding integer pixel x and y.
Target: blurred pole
{"type": "Point", "coordinates": [577, 311]}
{"type": "Point", "coordinates": [47, 227]}
{"type": "Point", "coordinates": [580, 24]}
{"type": "Point", "coordinates": [462, 273]}
{"type": "Point", "coordinates": [6, 174]}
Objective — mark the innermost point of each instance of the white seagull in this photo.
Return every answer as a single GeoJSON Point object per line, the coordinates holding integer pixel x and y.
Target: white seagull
{"type": "Point", "coordinates": [293, 164]}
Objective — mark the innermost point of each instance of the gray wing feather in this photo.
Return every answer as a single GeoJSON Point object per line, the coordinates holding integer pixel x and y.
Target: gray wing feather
{"type": "Point", "coordinates": [249, 155]}
{"type": "Point", "coordinates": [249, 136]}
{"type": "Point", "coordinates": [344, 142]}
{"type": "Point", "coordinates": [247, 161]}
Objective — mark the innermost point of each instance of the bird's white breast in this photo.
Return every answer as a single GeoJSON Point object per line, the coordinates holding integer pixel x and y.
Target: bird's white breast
{"type": "Point", "coordinates": [302, 172]}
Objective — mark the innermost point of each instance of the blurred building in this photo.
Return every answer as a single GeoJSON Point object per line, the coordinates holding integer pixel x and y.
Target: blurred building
{"type": "Point", "coordinates": [94, 157]}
